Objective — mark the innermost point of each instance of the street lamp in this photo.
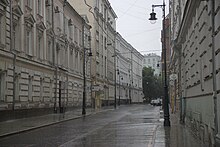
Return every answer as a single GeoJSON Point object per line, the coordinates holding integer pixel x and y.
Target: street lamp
{"type": "Point", "coordinates": [166, 106]}
{"type": "Point", "coordinates": [84, 66]}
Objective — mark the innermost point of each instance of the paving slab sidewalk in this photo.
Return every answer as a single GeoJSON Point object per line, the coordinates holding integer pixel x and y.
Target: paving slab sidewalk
{"type": "Point", "coordinates": [177, 135]}
{"type": "Point", "coordinates": [15, 126]}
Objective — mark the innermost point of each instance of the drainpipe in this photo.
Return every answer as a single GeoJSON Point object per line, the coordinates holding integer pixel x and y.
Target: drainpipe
{"type": "Point", "coordinates": [214, 67]}
{"type": "Point", "coordinates": [84, 70]}
{"type": "Point", "coordinates": [54, 64]}
{"type": "Point", "coordinates": [14, 56]}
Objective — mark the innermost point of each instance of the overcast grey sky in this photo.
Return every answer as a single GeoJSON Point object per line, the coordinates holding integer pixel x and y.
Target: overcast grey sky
{"type": "Point", "coordinates": [134, 26]}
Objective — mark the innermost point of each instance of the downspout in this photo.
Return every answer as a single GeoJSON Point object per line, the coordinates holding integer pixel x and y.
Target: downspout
{"type": "Point", "coordinates": [14, 56]}
{"type": "Point", "coordinates": [54, 64]}
{"type": "Point", "coordinates": [84, 69]}
{"type": "Point", "coordinates": [214, 68]}
{"type": "Point", "coordinates": [115, 105]}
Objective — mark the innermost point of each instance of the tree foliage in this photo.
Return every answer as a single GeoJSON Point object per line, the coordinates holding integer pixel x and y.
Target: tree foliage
{"type": "Point", "coordinates": [152, 84]}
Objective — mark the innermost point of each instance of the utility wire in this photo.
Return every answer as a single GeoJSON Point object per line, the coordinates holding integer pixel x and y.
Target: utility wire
{"type": "Point", "coordinates": [128, 9]}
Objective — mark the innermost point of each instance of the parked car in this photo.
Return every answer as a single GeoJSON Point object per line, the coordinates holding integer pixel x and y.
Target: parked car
{"type": "Point", "coordinates": [156, 102]}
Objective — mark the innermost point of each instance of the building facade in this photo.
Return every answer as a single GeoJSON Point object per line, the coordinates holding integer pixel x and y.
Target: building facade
{"type": "Point", "coordinates": [129, 72]}
{"type": "Point", "coordinates": [102, 18]}
{"type": "Point", "coordinates": [195, 58]}
{"type": "Point", "coordinates": [41, 56]}
{"type": "Point", "coordinates": [154, 61]}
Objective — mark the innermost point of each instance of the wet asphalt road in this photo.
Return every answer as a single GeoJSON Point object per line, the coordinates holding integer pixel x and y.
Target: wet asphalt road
{"type": "Point", "coordinates": [130, 126]}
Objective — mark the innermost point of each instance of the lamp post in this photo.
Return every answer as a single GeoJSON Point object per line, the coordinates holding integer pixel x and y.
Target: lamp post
{"type": "Point", "coordinates": [84, 64]}
{"type": "Point", "coordinates": [166, 106]}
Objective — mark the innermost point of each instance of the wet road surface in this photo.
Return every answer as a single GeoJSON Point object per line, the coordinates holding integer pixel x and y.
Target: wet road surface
{"type": "Point", "coordinates": [128, 126]}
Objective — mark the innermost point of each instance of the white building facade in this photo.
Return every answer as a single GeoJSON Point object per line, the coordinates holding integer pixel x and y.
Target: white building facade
{"type": "Point", "coordinates": [195, 45]}
{"type": "Point", "coordinates": [154, 61]}
{"type": "Point", "coordinates": [41, 56]}
{"type": "Point", "coordinates": [129, 72]}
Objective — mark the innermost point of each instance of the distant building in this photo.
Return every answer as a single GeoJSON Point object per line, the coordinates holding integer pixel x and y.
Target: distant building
{"type": "Point", "coordinates": [129, 72]}
{"type": "Point", "coordinates": [154, 61]}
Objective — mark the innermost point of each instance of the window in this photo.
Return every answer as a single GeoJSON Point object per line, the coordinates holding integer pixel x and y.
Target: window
{"type": "Point", "coordinates": [16, 38]}
{"type": "Point", "coordinates": [105, 12]}
{"type": "Point", "coordinates": [30, 89]}
{"type": "Point", "coordinates": [48, 14]}
{"type": "Point", "coordinates": [149, 60]}
{"type": "Point", "coordinates": [66, 26]}
{"type": "Point", "coordinates": [76, 61]}
{"type": "Point", "coordinates": [39, 6]}
{"type": "Point", "coordinates": [29, 3]}
{"type": "Point", "coordinates": [76, 35]}
{"type": "Point", "coordinates": [51, 90]}
{"type": "Point", "coordinates": [49, 51]}
{"type": "Point", "coordinates": [105, 43]}
{"type": "Point", "coordinates": [70, 30]}
{"type": "Point", "coordinates": [97, 4]}
{"type": "Point", "coordinates": [39, 46]}
{"type": "Point", "coordinates": [29, 42]}
{"type": "Point", "coordinates": [80, 37]}
{"type": "Point", "coordinates": [71, 59]}
{"type": "Point", "coordinates": [2, 29]}
{"type": "Point", "coordinates": [2, 86]}
{"type": "Point", "coordinates": [17, 88]}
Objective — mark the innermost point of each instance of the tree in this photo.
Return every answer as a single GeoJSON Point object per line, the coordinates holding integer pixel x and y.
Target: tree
{"type": "Point", "coordinates": [152, 84]}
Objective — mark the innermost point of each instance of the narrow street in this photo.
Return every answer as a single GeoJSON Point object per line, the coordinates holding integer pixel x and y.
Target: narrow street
{"type": "Point", "coordinates": [130, 126]}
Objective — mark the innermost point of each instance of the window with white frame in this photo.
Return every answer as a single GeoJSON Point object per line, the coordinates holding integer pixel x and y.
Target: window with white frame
{"type": "Point", "coordinates": [66, 31]}
{"type": "Point", "coordinates": [65, 57]}
{"type": "Point", "coordinates": [76, 60]}
{"type": "Point", "coordinates": [39, 45]}
{"type": "Point", "coordinates": [71, 59]}
{"type": "Point", "coordinates": [16, 37]}
{"type": "Point", "coordinates": [48, 14]}
{"type": "Point", "coordinates": [76, 34]}
{"type": "Point", "coordinates": [80, 37]}
{"type": "Point", "coordinates": [70, 30]}
{"type": "Point", "coordinates": [2, 28]}
{"type": "Point", "coordinates": [28, 41]}
{"type": "Point", "coordinates": [49, 50]}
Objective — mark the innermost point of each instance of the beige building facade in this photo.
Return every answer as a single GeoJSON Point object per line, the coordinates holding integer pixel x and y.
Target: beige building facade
{"type": "Point", "coordinates": [102, 18]}
{"type": "Point", "coordinates": [41, 56]}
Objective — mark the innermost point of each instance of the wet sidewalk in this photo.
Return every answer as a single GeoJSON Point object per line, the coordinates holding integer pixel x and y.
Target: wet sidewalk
{"type": "Point", "coordinates": [178, 135]}
{"type": "Point", "coordinates": [16, 126]}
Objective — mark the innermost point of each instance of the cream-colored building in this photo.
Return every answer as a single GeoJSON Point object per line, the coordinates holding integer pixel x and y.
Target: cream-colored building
{"type": "Point", "coordinates": [129, 72]}
{"type": "Point", "coordinates": [102, 18]}
{"type": "Point", "coordinates": [41, 56]}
